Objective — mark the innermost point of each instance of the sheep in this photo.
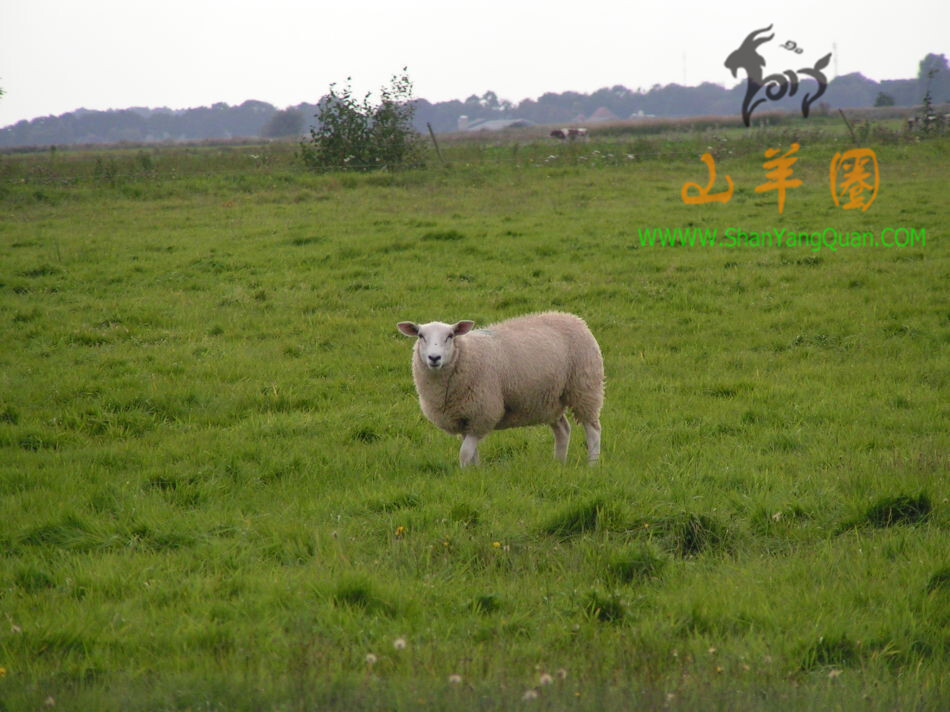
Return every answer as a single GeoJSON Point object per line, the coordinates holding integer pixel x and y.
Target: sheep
{"type": "Point", "coordinates": [523, 371]}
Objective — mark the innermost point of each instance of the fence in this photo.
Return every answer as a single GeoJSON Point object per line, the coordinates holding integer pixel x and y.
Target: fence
{"type": "Point", "coordinates": [110, 166]}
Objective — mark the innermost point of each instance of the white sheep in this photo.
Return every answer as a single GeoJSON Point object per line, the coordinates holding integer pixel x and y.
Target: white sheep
{"type": "Point", "coordinates": [523, 371]}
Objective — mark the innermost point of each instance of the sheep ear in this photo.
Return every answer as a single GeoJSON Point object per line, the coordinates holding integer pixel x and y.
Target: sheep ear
{"type": "Point", "coordinates": [408, 328]}
{"type": "Point", "coordinates": [462, 327]}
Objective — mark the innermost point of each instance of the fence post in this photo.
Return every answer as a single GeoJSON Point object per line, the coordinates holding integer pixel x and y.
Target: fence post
{"type": "Point", "coordinates": [435, 143]}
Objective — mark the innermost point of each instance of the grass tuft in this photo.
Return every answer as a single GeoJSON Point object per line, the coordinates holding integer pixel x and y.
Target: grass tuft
{"type": "Point", "coordinates": [70, 532]}
{"type": "Point", "coordinates": [640, 564]}
{"type": "Point", "coordinates": [690, 534]}
{"type": "Point", "coordinates": [574, 519]}
{"type": "Point", "coordinates": [607, 608]}
{"type": "Point", "coordinates": [10, 415]}
{"type": "Point", "coordinates": [827, 651]}
{"type": "Point", "coordinates": [903, 509]}
{"type": "Point", "coordinates": [464, 514]}
{"type": "Point", "coordinates": [32, 580]}
{"type": "Point", "coordinates": [940, 580]}
{"type": "Point", "coordinates": [486, 604]}
{"type": "Point", "coordinates": [360, 593]}
{"type": "Point", "coordinates": [365, 435]}
{"type": "Point", "coordinates": [443, 236]}
{"type": "Point", "coordinates": [405, 500]}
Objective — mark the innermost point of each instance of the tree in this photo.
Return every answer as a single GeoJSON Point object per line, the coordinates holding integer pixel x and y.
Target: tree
{"type": "Point", "coordinates": [934, 77]}
{"type": "Point", "coordinates": [288, 122]}
{"type": "Point", "coordinates": [884, 99]}
{"type": "Point", "coordinates": [930, 120]}
{"type": "Point", "coordinates": [490, 100]}
{"type": "Point", "coordinates": [358, 135]}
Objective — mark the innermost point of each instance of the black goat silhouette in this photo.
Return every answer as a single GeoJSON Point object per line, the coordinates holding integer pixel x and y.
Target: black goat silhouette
{"type": "Point", "coordinates": [776, 85]}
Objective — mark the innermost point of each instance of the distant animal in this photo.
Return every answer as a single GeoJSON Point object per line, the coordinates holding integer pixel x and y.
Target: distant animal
{"type": "Point", "coordinates": [524, 371]}
{"type": "Point", "coordinates": [569, 134]}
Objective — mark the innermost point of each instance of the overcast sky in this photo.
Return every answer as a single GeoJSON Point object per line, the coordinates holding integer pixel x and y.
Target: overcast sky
{"type": "Point", "coordinates": [60, 55]}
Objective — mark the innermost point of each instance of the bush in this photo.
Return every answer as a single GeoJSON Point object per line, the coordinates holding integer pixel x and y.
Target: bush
{"type": "Point", "coordinates": [357, 135]}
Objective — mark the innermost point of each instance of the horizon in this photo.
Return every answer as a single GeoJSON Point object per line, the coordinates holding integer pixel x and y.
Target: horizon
{"type": "Point", "coordinates": [177, 110]}
{"type": "Point", "coordinates": [192, 54]}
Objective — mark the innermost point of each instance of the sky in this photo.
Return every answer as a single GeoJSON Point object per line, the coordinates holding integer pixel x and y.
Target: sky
{"type": "Point", "coordinates": [60, 55]}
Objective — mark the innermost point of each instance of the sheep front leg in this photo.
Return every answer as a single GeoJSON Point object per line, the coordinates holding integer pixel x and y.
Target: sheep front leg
{"type": "Point", "coordinates": [468, 453]}
{"type": "Point", "coordinates": [562, 437]}
{"type": "Point", "coordinates": [593, 441]}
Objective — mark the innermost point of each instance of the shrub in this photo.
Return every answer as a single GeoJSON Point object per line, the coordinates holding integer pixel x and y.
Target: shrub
{"type": "Point", "coordinates": [358, 135]}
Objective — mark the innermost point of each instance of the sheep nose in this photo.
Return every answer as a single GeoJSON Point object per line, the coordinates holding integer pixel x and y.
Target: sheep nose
{"type": "Point", "coordinates": [434, 359]}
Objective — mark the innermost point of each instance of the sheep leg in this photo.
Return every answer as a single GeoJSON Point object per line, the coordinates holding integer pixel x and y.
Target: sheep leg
{"type": "Point", "coordinates": [593, 441]}
{"type": "Point", "coordinates": [562, 437]}
{"type": "Point", "coordinates": [468, 453]}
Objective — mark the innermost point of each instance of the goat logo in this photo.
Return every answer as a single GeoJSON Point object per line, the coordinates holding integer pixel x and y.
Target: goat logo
{"type": "Point", "coordinates": [776, 85]}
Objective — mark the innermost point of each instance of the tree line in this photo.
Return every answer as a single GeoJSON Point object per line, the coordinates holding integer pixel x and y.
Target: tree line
{"type": "Point", "coordinates": [260, 119]}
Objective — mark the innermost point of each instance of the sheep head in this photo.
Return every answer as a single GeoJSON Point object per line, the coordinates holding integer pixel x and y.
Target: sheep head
{"type": "Point", "coordinates": [435, 341]}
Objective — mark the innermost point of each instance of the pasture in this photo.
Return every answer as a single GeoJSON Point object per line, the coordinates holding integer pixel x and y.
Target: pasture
{"type": "Point", "coordinates": [217, 491]}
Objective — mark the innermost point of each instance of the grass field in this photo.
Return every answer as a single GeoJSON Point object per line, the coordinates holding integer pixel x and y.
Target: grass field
{"type": "Point", "coordinates": [217, 491]}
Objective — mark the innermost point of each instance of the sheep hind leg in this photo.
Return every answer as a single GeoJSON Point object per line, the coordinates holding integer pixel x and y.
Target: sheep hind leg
{"type": "Point", "coordinates": [562, 437]}
{"type": "Point", "coordinates": [593, 441]}
{"type": "Point", "coordinates": [468, 453]}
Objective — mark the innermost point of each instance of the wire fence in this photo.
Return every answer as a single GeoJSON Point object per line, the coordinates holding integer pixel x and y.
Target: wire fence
{"type": "Point", "coordinates": [112, 166]}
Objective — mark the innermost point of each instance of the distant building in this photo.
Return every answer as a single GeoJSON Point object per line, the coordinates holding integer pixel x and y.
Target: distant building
{"type": "Point", "coordinates": [464, 124]}
{"type": "Point", "coordinates": [602, 114]}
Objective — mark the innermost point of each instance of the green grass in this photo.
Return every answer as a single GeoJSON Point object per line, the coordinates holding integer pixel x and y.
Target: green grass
{"type": "Point", "coordinates": [217, 490]}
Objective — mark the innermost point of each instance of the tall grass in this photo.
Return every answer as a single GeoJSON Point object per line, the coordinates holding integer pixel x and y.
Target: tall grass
{"type": "Point", "coordinates": [217, 490]}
